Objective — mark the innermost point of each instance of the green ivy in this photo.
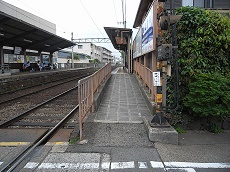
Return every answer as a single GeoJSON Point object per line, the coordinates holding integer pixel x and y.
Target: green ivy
{"type": "Point", "coordinates": [204, 61]}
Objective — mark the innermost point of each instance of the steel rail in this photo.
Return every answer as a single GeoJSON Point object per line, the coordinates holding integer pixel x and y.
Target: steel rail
{"type": "Point", "coordinates": [21, 115]}
{"type": "Point", "coordinates": [19, 158]}
{"type": "Point", "coordinates": [67, 80]}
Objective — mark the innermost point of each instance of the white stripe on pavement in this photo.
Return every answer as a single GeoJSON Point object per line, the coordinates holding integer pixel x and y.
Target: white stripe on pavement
{"type": "Point", "coordinates": [31, 165]}
{"type": "Point", "coordinates": [181, 169]}
{"type": "Point", "coordinates": [156, 164]}
{"type": "Point", "coordinates": [188, 166]}
{"type": "Point", "coordinates": [69, 166]}
{"type": "Point", "coordinates": [195, 165]}
{"type": "Point", "coordinates": [122, 165]}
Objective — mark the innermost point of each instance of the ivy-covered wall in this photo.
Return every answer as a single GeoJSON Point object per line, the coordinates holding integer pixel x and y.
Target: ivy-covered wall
{"type": "Point", "coordinates": [204, 64]}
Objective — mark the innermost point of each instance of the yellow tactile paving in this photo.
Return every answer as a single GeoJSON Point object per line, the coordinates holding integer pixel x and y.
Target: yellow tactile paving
{"type": "Point", "coordinates": [14, 143]}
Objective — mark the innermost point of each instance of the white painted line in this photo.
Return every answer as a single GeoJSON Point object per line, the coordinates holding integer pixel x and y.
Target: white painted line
{"type": "Point", "coordinates": [69, 166]}
{"type": "Point", "coordinates": [196, 165]}
{"type": "Point", "coordinates": [1, 163]}
{"type": "Point", "coordinates": [122, 165]}
{"type": "Point", "coordinates": [31, 165]}
{"type": "Point", "coordinates": [182, 169]}
{"type": "Point", "coordinates": [105, 165]}
{"type": "Point", "coordinates": [156, 164]}
{"type": "Point", "coordinates": [142, 165]}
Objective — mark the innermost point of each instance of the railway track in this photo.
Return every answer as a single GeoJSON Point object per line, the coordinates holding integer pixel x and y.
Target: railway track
{"type": "Point", "coordinates": [56, 107]}
{"type": "Point", "coordinates": [15, 161]}
{"type": "Point", "coordinates": [42, 85]}
{"type": "Point", "coordinates": [35, 96]}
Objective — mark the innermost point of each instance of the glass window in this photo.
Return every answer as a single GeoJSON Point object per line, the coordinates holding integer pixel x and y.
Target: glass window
{"type": "Point", "coordinates": [80, 46]}
{"type": "Point", "coordinates": [187, 2]}
{"type": "Point", "coordinates": [199, 3]}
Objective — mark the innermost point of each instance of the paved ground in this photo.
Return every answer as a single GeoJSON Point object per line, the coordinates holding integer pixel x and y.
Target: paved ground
{"type": "Point", "coordinates": [115, 139]}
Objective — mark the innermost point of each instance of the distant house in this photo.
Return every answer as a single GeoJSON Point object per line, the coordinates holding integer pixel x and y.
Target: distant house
{"type": "Point", "coordinates": [94, 52]}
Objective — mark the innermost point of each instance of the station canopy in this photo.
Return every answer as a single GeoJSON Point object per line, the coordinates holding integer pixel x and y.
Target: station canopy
{"type": "Point", "coordinates": [119, 37]}
{"type": "Point", "coordinates": [17, 33]}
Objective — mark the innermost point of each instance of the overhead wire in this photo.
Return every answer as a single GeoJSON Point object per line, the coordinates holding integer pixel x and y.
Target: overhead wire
{"type": "Point", "coordinates": [91, 17]}
{"type": "Point", "coordinates": [115, 11]}
{"type": "Point", "coordinates": [94, 21]}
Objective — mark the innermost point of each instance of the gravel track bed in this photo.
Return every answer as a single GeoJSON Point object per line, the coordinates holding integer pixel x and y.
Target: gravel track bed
{"type": "Point", "coordinates": [57, 108]}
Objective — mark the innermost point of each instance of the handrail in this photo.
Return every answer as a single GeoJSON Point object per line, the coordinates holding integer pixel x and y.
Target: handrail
{"type": "Point", "coordinates": [5, 67]}
{"type": "Point", "coordinates": [146, 75]}
{"type": "Point", "coordinates": [86, 89]}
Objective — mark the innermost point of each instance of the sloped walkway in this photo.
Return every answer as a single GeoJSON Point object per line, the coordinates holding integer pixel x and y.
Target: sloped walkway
{"type": "Point", "coordinates": [122, 101]}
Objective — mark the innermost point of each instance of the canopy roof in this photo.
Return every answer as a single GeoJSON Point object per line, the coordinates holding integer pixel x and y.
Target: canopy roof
{"type": "Point", "coordinates": [15, 32]}
{"type": "Point", "coordinates": [119, 37]}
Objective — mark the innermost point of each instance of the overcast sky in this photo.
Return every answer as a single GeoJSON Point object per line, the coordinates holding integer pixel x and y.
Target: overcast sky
{"type": "Point", "coordinates": [85, 18]}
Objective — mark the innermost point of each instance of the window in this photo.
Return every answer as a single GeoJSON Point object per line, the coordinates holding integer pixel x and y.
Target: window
{"type": "Point", "coordinates": [187, 2]}
{"type": "Point", "coordinates": [80, 46]}
{"type": "Point", "coordinates": [198, 3]}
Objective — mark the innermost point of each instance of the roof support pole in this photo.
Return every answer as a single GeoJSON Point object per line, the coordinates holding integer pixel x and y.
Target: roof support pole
{"type": "Point", "coordinates": [72, 57]}
{"type": "Point", "coordinates": [2, 58]}
{"type": "Point", "coordinates": [40, 56]}
{"type": "Point", "coordinates": [24, 54]}
{"type": "Point", "coordinates": [51, 60]}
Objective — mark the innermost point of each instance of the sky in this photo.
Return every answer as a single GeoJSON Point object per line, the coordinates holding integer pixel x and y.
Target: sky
{"type": "Point", "coordinates": [85, 18]}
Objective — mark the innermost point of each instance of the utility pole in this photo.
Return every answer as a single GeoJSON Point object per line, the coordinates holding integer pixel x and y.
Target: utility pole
{"type": "Point", "coordinates": [72, 50]}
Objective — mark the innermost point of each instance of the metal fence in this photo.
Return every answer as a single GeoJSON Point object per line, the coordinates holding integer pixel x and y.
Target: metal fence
{"type": "Point", "coordinates": [86, 89]}
{"type": "Point", "coordinates": [146, 75]}
{"type": "Point", "coordinates": [4, 68]}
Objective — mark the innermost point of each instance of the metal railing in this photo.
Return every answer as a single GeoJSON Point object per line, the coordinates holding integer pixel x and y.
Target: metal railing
{"type": "Point", "coordinates": [146, 75]}
{"type": "Point", "coordinates": [86, 89]}
{"type": "Point", "coordinates": [4, 67]}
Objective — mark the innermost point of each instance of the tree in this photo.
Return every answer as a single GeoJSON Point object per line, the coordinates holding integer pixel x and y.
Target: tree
{"type": "Point", "coordinates": [75, 56]}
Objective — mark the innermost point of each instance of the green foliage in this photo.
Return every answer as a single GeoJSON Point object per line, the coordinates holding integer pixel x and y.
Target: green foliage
{"type": "Point", "coordinates": [88, 57]}
{"type": "Point", "coordinates": [215, 129]}
{"type": "Point", "coordinates": [209, 95]}
{"type": "Point", "coordinates": [204, 60]}
{"type": "Point", "coordinates": [74, 140]}
{"type": "Point", "coordinates": [179, 129]}
{"type": "Point", "coordinates": [95, 61]}
{"type": "Point", "coordinates": [75, 56]}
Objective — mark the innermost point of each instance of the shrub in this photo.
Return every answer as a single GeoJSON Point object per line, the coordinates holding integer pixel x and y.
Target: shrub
{"type": "Point", "coordinates": [209, 95]}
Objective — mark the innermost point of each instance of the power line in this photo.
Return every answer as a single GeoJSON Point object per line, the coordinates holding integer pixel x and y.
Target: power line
{"type": "Point", "coordinates": [91, 18]}
{"type": "Point", "coordinates": [115, 11]}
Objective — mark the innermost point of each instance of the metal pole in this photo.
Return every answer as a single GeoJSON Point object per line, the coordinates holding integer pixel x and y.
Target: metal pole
{"type": "Point", "coordinates": [72, 49]}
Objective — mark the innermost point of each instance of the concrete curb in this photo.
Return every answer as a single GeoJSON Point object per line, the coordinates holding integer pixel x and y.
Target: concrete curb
{"type": "Point", "coordinates": [161, 134]}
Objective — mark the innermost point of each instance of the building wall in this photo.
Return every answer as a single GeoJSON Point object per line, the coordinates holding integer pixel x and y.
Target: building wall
{"type": "Point", "coordinates": [27, 17]}
{"type": "Point", "coordinates": [95, 52]}
{"type": "Point", "coordinates": [63, 56]}
{"type": "Point", "coordinates": [214, 4]}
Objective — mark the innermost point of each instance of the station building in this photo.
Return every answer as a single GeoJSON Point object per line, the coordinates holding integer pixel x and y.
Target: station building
{"type": "Point", "coordinates": [26, 37]}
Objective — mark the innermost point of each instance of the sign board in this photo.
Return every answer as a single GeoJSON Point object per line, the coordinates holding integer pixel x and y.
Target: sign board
{"type": "Point", "coordinates": [147, 32]}
{"type": "Point", "coordinates": [17, 50]}
{"type": "Point", "coordinates": [156, 79]}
